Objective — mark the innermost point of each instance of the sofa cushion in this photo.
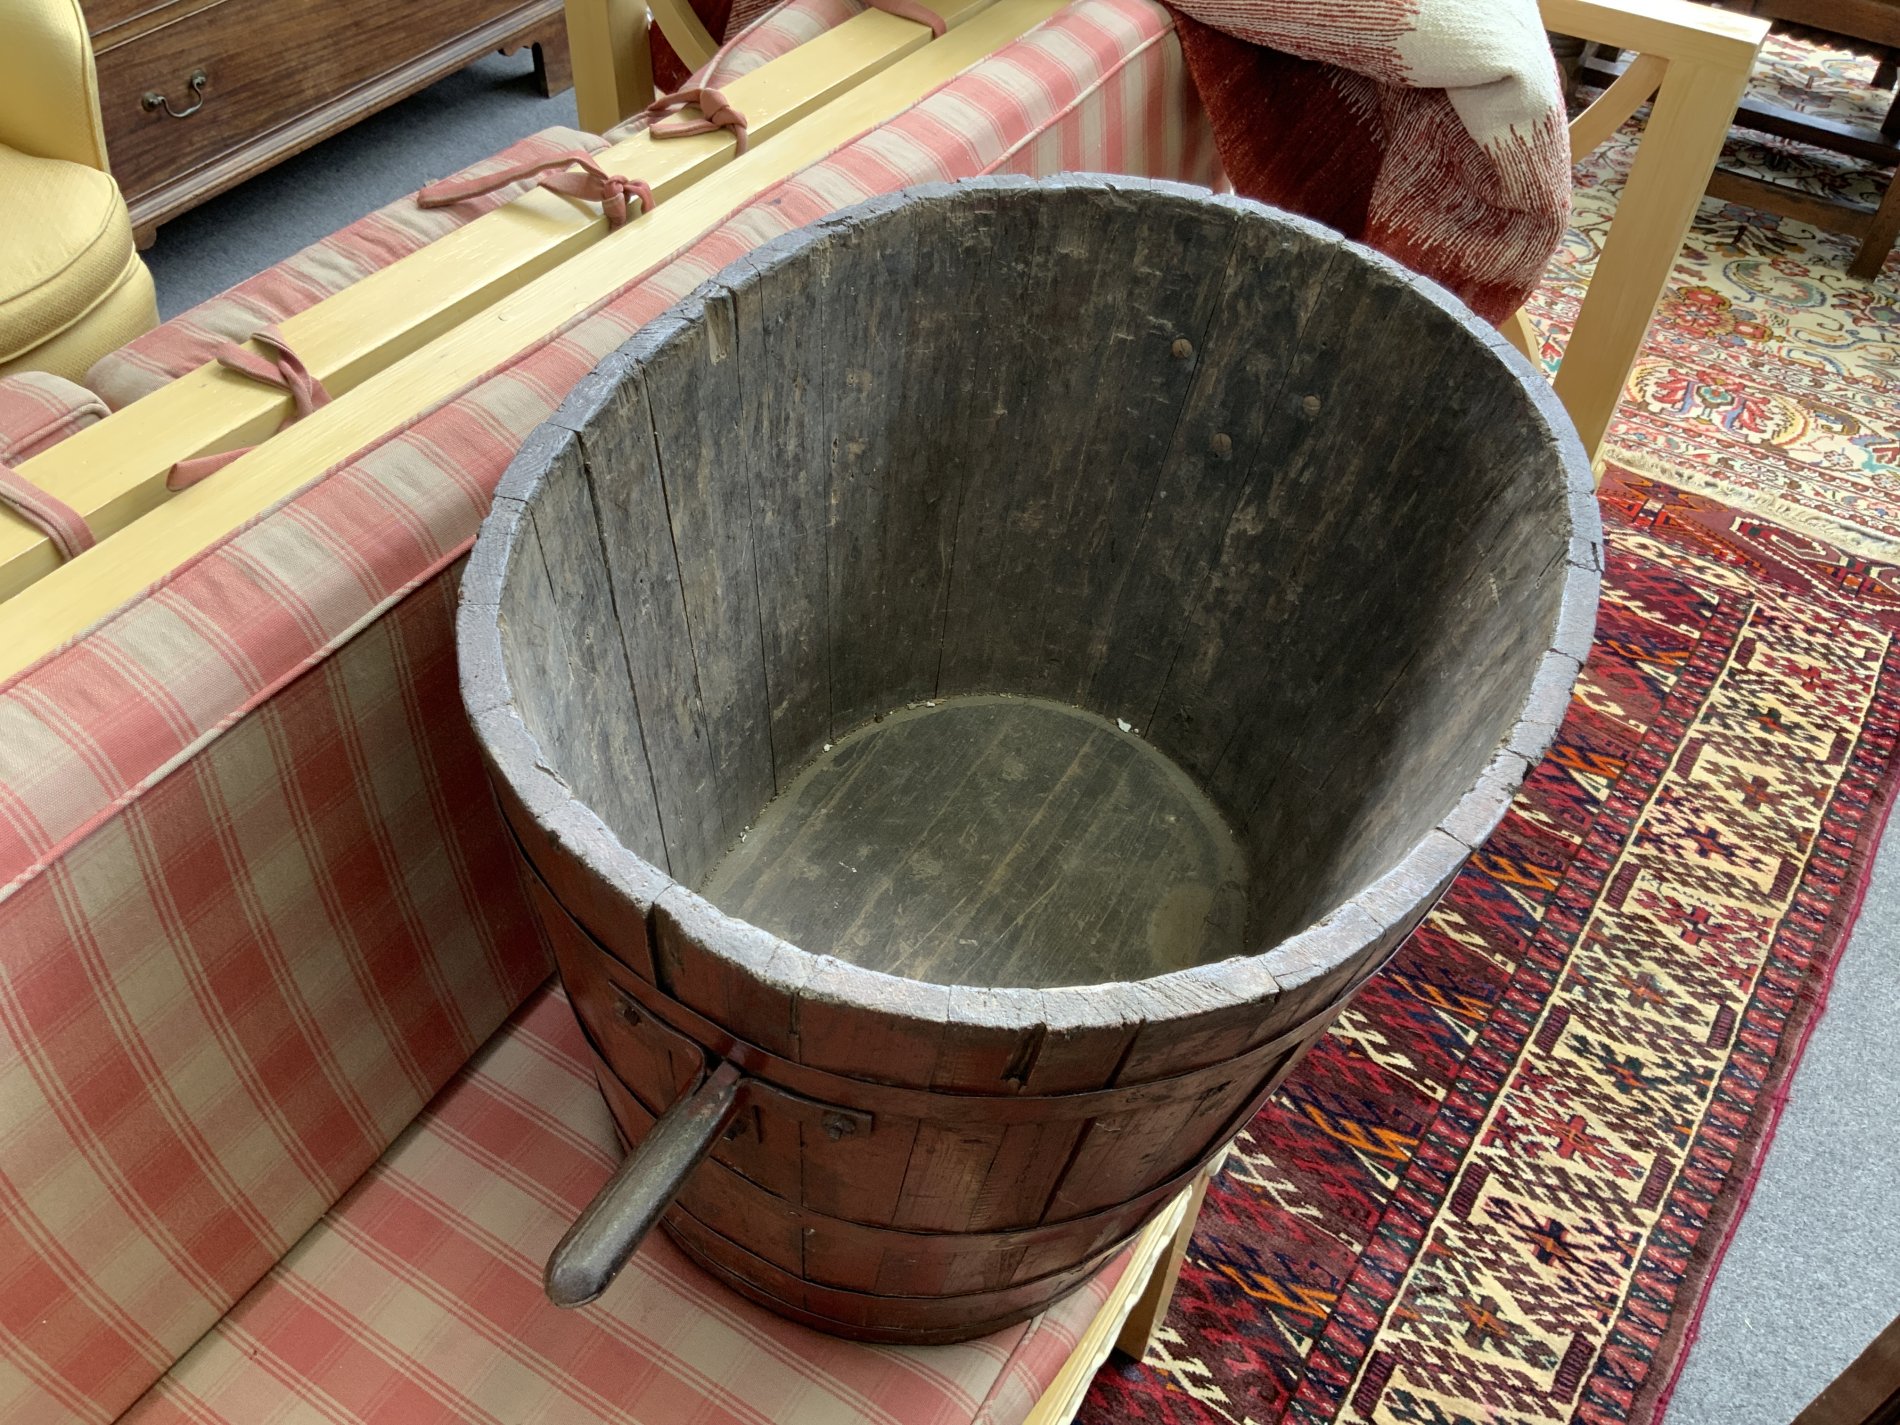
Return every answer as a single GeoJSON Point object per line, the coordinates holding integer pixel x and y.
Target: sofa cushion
{"type": "Point", "coordinates": [418, 1296]}
{"type": "Point", "coordinates": [39, 409]}
{"type": "Point", "coordinates": [778, 31]}
{"type": "Point", "coordinates": [303, 279]}
{"type": "Point", "coordinates": [241, 819]}
{"type": "Point", "coordinates": [63, 245]}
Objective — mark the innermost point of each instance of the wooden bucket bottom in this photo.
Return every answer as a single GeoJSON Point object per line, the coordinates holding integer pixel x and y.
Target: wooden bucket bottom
{"type": "Point", "coordinates": [993, 841]}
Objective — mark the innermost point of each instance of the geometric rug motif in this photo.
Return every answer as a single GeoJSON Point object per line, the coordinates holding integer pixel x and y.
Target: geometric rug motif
{"type": "Point", "coordinates": [1495, 1190]}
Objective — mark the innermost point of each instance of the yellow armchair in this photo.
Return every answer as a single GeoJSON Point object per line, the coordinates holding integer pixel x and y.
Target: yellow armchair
{"type": "Point", "coordinates": [72, 286]}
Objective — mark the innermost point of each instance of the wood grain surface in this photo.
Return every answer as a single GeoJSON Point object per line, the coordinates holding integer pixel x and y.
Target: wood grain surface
{"type": "Point", "coordinates": [278, 77]}
{"type": "Point", "coordinates": [992, 840]}
{"type": "Point", "coordinates": [1001, 667]}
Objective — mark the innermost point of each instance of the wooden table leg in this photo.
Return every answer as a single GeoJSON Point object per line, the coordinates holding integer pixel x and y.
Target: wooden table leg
{"type": "Point", "coordinates": [1687, 125]}
{"type": "Point", "coordinates": [1153, 1269]}
{"type": "Point", "coordinates": [1151, 1307]}
{"type": "Point", "coordinates": [1518, 331]}
{"type": "Point", "coordinates": [553, 61]}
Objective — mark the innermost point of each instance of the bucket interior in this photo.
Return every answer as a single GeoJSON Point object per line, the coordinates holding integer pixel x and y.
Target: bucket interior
{"type": "Point", "coordinates": [1041, 586]}
{"type": "Point", "coordinates": [991, 840]}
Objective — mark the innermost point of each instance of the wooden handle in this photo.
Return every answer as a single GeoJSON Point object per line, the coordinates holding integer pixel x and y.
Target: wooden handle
{"type": "Point", "coordinates": [604, 1236]}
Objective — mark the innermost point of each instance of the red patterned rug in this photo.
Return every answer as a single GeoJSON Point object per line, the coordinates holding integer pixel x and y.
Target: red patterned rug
{"type": "Point", "coordinates": [1497, 1190]}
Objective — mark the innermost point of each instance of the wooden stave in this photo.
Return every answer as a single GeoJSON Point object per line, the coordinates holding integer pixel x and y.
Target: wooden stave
{"type": "Point", "coordinates": [980, 1278]}
{"type": "Point", "coordinates": [657, 1072]}
{"type": "Point", "coordinates": [1172, 1007]}
{"type": "Point", "coordinates": [728, 972]}
{"type": "Point", "coordinates": [868, 1316]}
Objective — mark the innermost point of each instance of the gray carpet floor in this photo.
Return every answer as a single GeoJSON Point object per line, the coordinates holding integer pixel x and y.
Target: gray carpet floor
{"type": "Point", "coordinates": [1813, 1273]}
{"type": "Point", "coordinates": [447, 126]}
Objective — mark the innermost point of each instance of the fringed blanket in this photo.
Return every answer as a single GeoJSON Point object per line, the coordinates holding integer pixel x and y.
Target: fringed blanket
{"type": "Point", "coordinates": [1432, 130]}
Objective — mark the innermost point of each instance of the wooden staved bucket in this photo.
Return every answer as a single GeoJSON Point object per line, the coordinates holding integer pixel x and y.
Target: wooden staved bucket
{"type": "Point", "coordinates": [977, 687]}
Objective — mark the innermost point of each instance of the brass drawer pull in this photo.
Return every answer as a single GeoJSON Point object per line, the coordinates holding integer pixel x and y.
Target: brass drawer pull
{"type": "Point", "coordinates": [151, 99]}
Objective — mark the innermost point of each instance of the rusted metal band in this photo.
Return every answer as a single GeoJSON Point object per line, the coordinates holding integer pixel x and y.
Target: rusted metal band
{"type": "Point", "coordinates": [948, 1107]}
{"type": "Point", "coordinates": [690, 1231]}
{"type": "Point", "coordinates": [999, 1237]}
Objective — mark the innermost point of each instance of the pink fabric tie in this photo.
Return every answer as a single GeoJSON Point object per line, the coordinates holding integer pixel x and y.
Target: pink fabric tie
{"type": "Point", "coordinates": [593, 184]}
{"type": "Point", "coordinates": [715, 109]}
{"type": "Point", "coordinates": [715, 112]}
{"type": "Point", "coordinates": [49, 514]}
{"type": "Point", "coordinates": [911, 10]}
{"type": "Point", "coordinates": [277, 366]}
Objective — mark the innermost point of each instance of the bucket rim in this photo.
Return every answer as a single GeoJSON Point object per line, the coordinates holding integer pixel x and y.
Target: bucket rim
{"type": "Point", "coordinates": [1388, 907]}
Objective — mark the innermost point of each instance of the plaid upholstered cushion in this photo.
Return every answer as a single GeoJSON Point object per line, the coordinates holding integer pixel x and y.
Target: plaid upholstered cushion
{"type": "Point", "coordinates": [305, 278]}
{"type": "Point", "coordinates": [220, 1004]}
{"type": "Point", "coordinates": [255, 905]}
{"type": "Point", "coordinates": [38, 409]}
{"type": "Point", "coordinates": [418, 1297]}
{"type": "Point", "coordinates": [779, 31]}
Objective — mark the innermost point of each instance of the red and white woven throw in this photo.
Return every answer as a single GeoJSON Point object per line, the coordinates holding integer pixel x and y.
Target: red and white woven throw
{"type": "Point", "coordinates": [1432, 130]}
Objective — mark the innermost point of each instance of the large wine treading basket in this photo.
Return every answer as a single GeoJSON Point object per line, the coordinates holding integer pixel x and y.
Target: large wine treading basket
{"type": "Point", "coordinates": [977, 687]}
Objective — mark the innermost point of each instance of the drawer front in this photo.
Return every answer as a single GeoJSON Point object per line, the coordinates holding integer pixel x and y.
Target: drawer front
{"type": "Point", "coordinates": [105, 15]}
{"type": "Point", "coordinates": [265, 63]}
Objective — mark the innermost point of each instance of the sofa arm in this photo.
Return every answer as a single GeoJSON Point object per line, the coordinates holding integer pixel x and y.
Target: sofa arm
{"type": "Point", "coordinates": [49, 90]}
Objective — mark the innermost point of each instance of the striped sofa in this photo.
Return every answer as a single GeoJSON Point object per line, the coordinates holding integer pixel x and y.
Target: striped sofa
{"type": "Point", "coordinates": [290, 1110]}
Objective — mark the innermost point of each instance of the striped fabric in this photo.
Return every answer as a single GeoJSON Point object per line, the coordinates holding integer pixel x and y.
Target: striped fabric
{"type": "Point", "coordinates": [218, 1008]}
{"type": "Point", "coordinates": [38, 409]}
{"type": "Point", "coordinates": [724, 20]}
{"type": "Point", "coordinates": [777, 32]}
{"type": "Point", "coordinates": [253, 902]}
{"type": "Point", "coordinates": [305, 278]}
{"type": "Point", "coordinates": [418, 1297]}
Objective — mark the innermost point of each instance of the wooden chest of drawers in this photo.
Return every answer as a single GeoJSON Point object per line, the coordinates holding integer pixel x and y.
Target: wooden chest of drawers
{"type": "Point", "coordinates": [198, 95]}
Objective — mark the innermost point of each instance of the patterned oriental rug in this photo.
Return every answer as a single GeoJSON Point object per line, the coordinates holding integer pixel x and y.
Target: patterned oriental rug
{"type": "Point", "coordinates": [1771, 380]}
{"type": "Point", "coordinates": [1497, 1191]}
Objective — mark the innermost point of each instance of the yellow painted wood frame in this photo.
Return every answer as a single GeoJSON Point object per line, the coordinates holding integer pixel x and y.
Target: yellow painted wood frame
{"type": "Point", "coordinates": [609, 47]}
{"type": "Point", "coordinates": [1133, 1309]}
{"type": "Point", "coordinates": [79, 593]}
{"type": "Point", "coordinates": [1694, 61]}
{"type": "Point", "coordinates": [114, 472]}
{"type": "Point", "coordinates": [684, 31]}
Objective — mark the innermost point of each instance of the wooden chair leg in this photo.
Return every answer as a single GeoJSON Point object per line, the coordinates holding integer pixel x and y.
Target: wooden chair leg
{"type": "Point", "coordinates": [1151, 1308]}
{"type": "Point", "coordinates": [1517, 330]}
{"type": "Point", "coordinates": [1881, 234]}
{"type": "Point", "coordinates": [1687, 124]}
{"type": "Point", "coordinates": [684, 31]}
{"type": "Point", "coordinates": [612, 64]}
